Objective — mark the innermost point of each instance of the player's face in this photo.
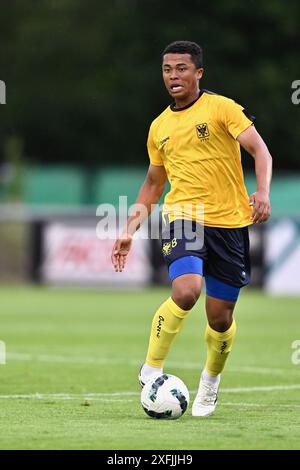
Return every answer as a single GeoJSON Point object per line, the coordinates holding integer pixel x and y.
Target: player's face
{"type": "Point", "coordinates": [181, 77]}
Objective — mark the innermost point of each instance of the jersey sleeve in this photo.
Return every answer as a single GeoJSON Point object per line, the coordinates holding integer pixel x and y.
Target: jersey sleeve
{"type": "Point", "coordinates": [235, 118]}
{"type": "Point", "coordinates": [153, 151]}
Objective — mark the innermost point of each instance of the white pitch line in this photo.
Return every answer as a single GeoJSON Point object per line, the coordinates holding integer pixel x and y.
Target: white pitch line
{"type": "Point", "coordinates": [245, 369]}
{"type": "Point", "coordinates": [73, 396]}
{"type": "Point", "coordinates": [114, 395]}
{"type": "Point", "coordinates": [60, 359]}
{"type": "Point", "coordinates": [267, 388]}
{"type": "Point", "coordinates": [260, 405]}
{"type": "Point", "coordinates": [65, 396]}
{"type": "Point", "coordinates": [63, 359]}
{"type": "Point", "coordinates": [258, 370]}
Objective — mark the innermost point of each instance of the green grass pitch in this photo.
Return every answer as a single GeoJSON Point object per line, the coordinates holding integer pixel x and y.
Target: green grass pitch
{"type": "Point", "coordinates": [70, 381]}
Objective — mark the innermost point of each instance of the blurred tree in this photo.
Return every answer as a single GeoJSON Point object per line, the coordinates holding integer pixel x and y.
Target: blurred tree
{"type": "Point", "coordinates": [83, 78]}
{"type": "Point", "coordinates": [13, 155]}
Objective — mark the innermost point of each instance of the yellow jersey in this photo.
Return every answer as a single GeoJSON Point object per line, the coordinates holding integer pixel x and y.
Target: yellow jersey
{"type": "Point", "coordinates": [197, 146]}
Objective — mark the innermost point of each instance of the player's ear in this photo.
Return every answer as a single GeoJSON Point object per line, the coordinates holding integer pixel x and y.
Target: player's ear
{"type": "Point", "coordinates": [199, 73]}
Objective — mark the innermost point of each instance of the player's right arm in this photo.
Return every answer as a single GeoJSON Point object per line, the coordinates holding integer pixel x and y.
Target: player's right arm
{"type": "Point", "coordinates": [149, 195]}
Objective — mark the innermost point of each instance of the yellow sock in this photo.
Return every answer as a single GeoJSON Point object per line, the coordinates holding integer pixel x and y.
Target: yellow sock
{"type": "Point", "coordinates": [167, 322]}
{"type": "Point", "coordinates": [218, 348]}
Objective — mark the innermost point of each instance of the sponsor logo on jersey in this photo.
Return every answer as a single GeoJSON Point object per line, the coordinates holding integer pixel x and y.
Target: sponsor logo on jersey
{"type": "Point", "coordinates": [162, 142]}
{"type": "Point", "coordinates": [168, 246]}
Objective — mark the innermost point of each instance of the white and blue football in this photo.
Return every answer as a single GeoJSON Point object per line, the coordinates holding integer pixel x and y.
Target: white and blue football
{"type": "Point", "coordinates": [165, 397]}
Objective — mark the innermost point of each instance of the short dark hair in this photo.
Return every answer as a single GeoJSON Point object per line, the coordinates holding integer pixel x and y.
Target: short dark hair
{"type": "Point", "coordinates": [186, 47]}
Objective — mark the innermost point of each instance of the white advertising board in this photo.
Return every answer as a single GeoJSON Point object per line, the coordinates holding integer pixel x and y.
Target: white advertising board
{"type": "Point", "coordinates": [73, 254]}
{"type": "Point", "coordinates": [283, 258]}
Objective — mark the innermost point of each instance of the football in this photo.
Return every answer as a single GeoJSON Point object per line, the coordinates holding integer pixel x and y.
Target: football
{"type": "Point", "coordinates": [165, 397]}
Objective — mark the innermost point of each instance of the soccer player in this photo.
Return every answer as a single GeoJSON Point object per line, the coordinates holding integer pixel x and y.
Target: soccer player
{"type": "Point", "coordinates": [195, 144]}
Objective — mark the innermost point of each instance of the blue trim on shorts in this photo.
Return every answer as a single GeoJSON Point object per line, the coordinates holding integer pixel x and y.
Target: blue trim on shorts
{"type": "Point", "coordinates": [186, 265]}
{"type": "Point", "coordinates": [221, 290]}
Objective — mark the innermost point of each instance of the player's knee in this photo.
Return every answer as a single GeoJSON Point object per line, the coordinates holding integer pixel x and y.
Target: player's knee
{"type": "Point", "coordinates": [186, 296]}
{"type": "Point", "coordinates": [220, 326]}
{"type": "Point", "coordinates": [222, 322]}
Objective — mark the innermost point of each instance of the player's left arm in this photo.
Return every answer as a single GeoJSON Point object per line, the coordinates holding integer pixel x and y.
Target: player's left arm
{"type": "Point", "coordinates": [253, 143]}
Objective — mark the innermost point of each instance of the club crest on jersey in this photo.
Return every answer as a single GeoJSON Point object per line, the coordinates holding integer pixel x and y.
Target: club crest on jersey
{"type": "Point", "coordinates": [202, 131]}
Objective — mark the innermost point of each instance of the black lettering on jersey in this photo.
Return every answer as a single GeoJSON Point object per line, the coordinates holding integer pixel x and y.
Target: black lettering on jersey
{"type": "Point", "coordinates": [162, 142]}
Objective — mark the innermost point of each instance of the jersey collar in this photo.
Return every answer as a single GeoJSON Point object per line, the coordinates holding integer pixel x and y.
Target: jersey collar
{"type": "Point", "coordinates": [175, 110]}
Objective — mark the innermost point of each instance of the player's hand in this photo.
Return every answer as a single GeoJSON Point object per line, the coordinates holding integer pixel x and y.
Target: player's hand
{"type": "Point", "coordinates": [260, 202]}
{"type": "Point", "coordinates": [120, 251]}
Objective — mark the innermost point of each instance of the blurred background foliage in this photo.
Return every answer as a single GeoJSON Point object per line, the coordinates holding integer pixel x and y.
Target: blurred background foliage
{"type": "Point", "coordinates": [83, 78]}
